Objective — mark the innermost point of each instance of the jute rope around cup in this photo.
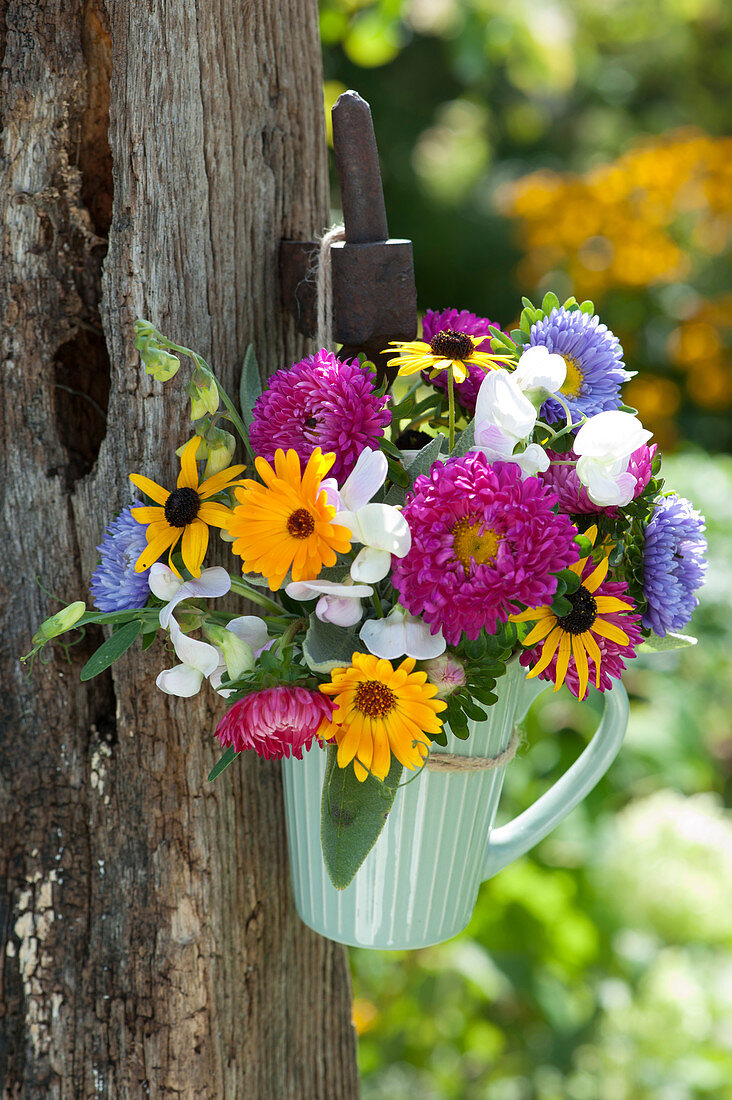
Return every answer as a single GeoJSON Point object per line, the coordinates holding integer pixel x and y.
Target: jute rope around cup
{"type": "Point", "coordinates": [450, 762]}
{"type": "Point", "coordinates": [324, 285]}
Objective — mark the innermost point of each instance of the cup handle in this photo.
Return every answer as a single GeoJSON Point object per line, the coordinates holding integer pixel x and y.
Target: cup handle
{"type": "Point", "coordinates": [525, 831]}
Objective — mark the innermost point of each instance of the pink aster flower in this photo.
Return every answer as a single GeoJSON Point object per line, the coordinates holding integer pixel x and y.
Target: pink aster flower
{"type": "Point", "coordinates": [601, 631]}
{"type": "Point", "coordinates": [483, 541]}
{"type": "Point", "coordinates": [454, 320]}
{"type": "Point", "coordinates": [572, 494]}
{"type": "Point", "coordinates": [275, 722]}
{"type": "Point", "coordinates": [320, 402]}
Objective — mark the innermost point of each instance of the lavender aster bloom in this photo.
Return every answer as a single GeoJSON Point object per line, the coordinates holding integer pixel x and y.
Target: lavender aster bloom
{"type": "Point", "coordinates": [484, 541]}
{"type": "Point", "coordinates": [454, 320]}
{"type": "Point", "coordinates": [115, 586]}
{"type": "Point", "coordinates": [673, 564]}
{"type": "Point", "coordinates": [594, 358]}
{"type": "Point", "coordinates": [320, 402]}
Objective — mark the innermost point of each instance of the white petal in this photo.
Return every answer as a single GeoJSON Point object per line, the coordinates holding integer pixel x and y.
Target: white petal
{"type": "Point", "coordinates": [540, 369]}
{"type": "Point", "coordinates": [610, 435]}
{"type": "Point", "coordinates": [341, 612]}
{"type": "Point", "coordinates": [212, 582]}
{"type": "Point", "coordinates": [384, 639]}
{"type": "Point", "coordinates": [494, 443]}
{"type": "Point", "coordinates": [301, 590]}
{"type": "Point", "coordinates": [533, 460]}
{"type": "Point", "coordinates": [238, 655]}
{"type": "Point", "coordinates": [420, 642]}
{"type": "Point", "coordinates": [332, 493]}
{"type": "Point", "coordinates": [501, 403]}
{"type": "Point", "coordinates": [371, 565]}
{"type": "Point", "coordinates": [606, 487]}
{"type": "Point", "coordinates": [308, 590]}
{"type": "Point", "coordinates": [382, 527]}
{"type": "Point", "coordinates": [192, 652]}
{"type": "Point", "coordinates": [163, 582]}
{"type": "Point", "coordinates": [366, 478]}
{"type": "Point", "coordinates": [181, 680]}
{"type": "Point", "coordinates": [251, 629]}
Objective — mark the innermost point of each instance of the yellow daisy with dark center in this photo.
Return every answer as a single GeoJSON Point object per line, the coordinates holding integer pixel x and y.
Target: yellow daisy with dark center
{"type": "Point", "coordinates": [286, 522]}
{"type": "Point", "coordinates": [183, 515]}
{"type": "Point", "coordinates": [447, 348]}
{"type": "Point", "coordinates": [597, 627]}
{"type": "Point", "coordinates": [380, 710]}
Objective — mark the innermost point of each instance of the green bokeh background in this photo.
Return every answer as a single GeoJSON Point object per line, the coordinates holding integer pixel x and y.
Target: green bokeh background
{"type": "Point", "coordinates": [598, 967]}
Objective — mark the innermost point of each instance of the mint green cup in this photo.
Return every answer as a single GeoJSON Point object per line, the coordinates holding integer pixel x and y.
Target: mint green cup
{"type": "Point", "coordinates": [419, 883]}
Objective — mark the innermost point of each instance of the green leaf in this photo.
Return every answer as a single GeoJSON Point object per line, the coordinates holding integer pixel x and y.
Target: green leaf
{"type": "Point", "coordinates": [654, 644]}
{"type": "Point", "coordinates": [550, 302]}
{"type": "Point", "coordinates": [561, 607]}
{"type": "Point", "coordinates": [583, 544]}
{"type": "Point", "coordinates": [421, 465]}
{"type": "Point", "coordinates": [397, 474]}
{"type": "Point", "coordinates": [222, 764]}
{"type": "Point", "coordinates": [465, 440]}
{"type": "Point", "coordinates": [148, 638]}
{"type": "Point", "coordinates": [327, 646]}
{"type": "Point", "coordinates": [110, 650]}
{"type": "Point", "coordinates": [250, 385]}
{"type": "Point", "coordinates": [587, 307]}
{"type": "Point", "coordinates": [352, 816]}
{"type": "Point", "coordinates": [570, 579]}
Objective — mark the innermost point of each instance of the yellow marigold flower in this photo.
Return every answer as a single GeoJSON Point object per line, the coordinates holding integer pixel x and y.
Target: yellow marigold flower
{"type": "Point", "coordinates": [447, 349]}
{"type": "Point", "coordinates": [380, 710]}
{"type": "Point", "coordinates": [183, 515]}
{"type": "Point", "coordinates": [287, 521]}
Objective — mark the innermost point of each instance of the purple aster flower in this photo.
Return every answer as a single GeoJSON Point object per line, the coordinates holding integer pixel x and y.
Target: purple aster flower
{"type": "Point", "coordinates": [483, 541]}
{"type": "Point", "coordinates": [594, 358]}
{"type": "Point", "coordinates": [674, 565]}
{"type": "Point", "coordinates": [454, 320]}
{"type": "Point", "coordinates": [572, 494]}
{"type": "Point", "coordinates": [115, 586]}
{"type": "Point", "coordinates": [320, 402]}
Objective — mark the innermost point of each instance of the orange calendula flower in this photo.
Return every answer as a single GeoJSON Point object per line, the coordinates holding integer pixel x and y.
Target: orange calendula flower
{"type": "Point", "coordinates": [447, 349]}
{"type": "Point", "coordinates": [286, 523]}
{"type": "Point", "coordinates": [183, 515]}
{"type": "Point", "coordinates": [380, 710]}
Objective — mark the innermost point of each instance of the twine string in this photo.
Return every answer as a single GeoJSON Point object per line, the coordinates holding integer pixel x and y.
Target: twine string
{"type": "Point", "coordinates": [450, 762]}
{"type": "Point", "coordinates": [324, 285]}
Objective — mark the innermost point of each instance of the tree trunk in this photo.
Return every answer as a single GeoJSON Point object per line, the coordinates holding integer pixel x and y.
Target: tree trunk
{"type": "Point", "coordinates": [153, 156]}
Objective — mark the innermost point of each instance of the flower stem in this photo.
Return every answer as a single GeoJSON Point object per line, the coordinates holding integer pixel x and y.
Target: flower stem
{"type": "Point", "coordinates": [451, 405]}
{"type": "Point", "coordinates": [377, 604]}
{"type": "Point", "coordinates": [252, 594]}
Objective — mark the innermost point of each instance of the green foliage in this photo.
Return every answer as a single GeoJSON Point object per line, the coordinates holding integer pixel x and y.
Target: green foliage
{"type": "Point", "coordinates": [484, 662]}
{"type": "Point", "coordinates": [250, 385]}
{"type": "Point", "coordinates": [353, 815]}
{"type": "Point", "coordinates": [112, 649]}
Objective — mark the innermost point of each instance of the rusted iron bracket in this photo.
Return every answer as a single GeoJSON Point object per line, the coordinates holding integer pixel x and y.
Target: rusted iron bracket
{"type": "Point", "coordinates": [374, 293]}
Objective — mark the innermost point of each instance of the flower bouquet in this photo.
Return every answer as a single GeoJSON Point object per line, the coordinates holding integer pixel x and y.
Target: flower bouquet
{"type": "Point", "coordinates": [422, 560]}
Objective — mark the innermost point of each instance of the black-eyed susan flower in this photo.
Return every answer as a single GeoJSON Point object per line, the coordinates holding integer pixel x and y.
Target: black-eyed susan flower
{"type": "Point", "coordinates": [380, 710]}
{"type": "Point", "coordinates": [183, 515]}
{"type": "Point", "coordinates": [602, 629]}
{"type": "Point", "coordinates": [447, 348]}
{"type": "Point", "coordinates": [286, 523]}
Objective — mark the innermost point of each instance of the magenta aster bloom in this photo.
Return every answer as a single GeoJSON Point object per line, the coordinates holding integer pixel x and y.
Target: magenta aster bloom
{"type": "Point", "coordinates": [320, 402]}
{"type": "Point", "coordinates": [483, 541]}
{"type": "Point", "coordinates": [454, 320]}
{"type": "Point", "coordinates": [572, 494]}
{"type": "Point", "coordinates": [275, 722]}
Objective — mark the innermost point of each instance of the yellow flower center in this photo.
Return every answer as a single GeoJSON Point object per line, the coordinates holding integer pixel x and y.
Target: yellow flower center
{"type": "Point", "coordinates": [301, 524]}
{"type": "Point", "coordinates": [374, 699]}
{"type": "Point", "coordinates": [471, 541]}
{"type": "Point", "coordinates": [573, 382]}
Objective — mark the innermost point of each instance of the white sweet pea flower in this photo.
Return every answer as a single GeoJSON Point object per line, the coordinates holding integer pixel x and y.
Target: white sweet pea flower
{"type": "Point", "coordinates": [540, 372]}
{"type": "Point", "coordinates": [380, 528]}
{"type": "Point", "coordinates": [366, 478]}
{"type": "Point", "coordinates": [253, 637]}
{"type": "Point", "coordinates": [401, 633]}
{"type": "Point", "coordinates": [504, 417]}
{"type": "Point", "coordinates": [166, 586]}
{"type": "Point", "coordinates": [338, 603]}
{"type": "Point", "coordinates": [605, 443]}
{"type": "Point", "coordinates": [198, 660]}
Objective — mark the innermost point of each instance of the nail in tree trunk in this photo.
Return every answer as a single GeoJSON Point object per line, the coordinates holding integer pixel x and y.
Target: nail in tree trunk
{"type": "Point", "coordinates": [153, 155]}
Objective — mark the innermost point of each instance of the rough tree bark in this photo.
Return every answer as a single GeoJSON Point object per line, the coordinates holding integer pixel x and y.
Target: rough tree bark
{"type": "Point", "coordinates": [153, 155]}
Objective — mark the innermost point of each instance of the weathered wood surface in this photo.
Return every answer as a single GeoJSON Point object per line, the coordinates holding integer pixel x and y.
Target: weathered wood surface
{"type": "Point", "coordinates": [149, 942]}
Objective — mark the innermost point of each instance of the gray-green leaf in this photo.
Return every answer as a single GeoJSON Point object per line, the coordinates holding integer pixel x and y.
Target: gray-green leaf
{"type": "Point", "coordinates": [654, 644]}
{"type": "Point", "coordinates": [250, 385]}
{"type": "Point", "coordinates": [352, 816]}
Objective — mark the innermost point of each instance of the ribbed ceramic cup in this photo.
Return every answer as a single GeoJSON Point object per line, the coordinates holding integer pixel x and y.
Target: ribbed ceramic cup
{"type": "Point", "coordinates": [419, 883]}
